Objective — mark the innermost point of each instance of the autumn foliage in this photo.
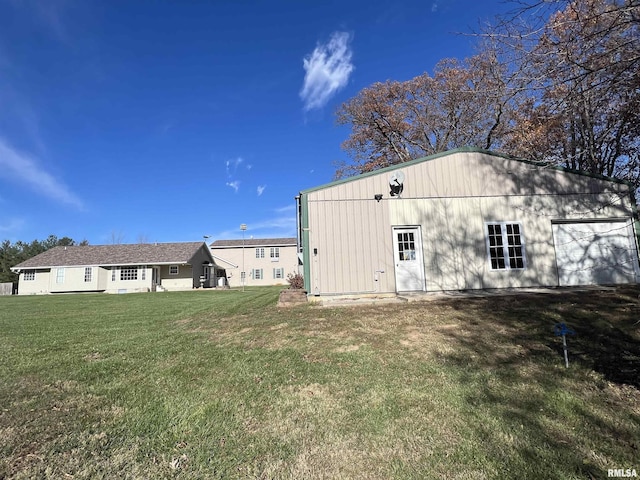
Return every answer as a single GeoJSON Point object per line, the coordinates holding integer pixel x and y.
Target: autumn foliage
{"type": "Point", "coordinates": [566, 92]}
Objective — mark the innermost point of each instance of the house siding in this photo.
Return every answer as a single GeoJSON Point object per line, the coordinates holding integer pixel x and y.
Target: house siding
{"type": "Point", "coordinates": [233, 256]}
{"type": "Point", "coordinates": [34, 287]}
{"type": "Point", "coordinates": [184, 280]}
{"type": "Point", "coordinates": [71, 261]}
{"type": "Point", "coordinates": [451, 199]}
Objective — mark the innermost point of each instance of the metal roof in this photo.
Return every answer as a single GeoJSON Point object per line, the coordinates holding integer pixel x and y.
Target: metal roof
{"type": "Point", "coordinates": [463, 150]}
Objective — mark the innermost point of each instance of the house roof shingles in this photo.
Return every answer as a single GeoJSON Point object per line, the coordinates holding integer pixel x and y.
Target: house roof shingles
{"type": "Point", "coordinates": [126, 254]}
{"type": "Point", "coordinates": [255, 242]}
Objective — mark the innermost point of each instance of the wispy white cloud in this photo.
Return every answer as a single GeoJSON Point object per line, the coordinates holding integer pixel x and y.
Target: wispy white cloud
{"type": "Point", "coordinates": [260, 189]}
{"type": "Point", "coordinates": [50, 14]}
{"type": "Point", "coordinates": [287, 209]}
{"type": "Point", "coordinates": [11, 225]}
{"type": "Point", "coordinates": [235, 185]}
{"type": "Point", "coordinates": [232, 165]}
{"type": "Point", "coordinates": [19, 166]}
{"type": "Point", "coordinates": [279, 226]}
{"type": "Point", "coordinates": [327, 70]}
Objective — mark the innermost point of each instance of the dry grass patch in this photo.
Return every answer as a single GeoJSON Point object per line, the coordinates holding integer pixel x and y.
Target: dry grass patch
{"type": "Point", "coordinates": [229, 386]}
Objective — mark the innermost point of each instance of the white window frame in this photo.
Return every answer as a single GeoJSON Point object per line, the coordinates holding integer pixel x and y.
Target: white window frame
{"type": "Point", "coordinates": [60, 276]}
{"type": "Point", "coordinates": [257, 274]}
{"type": "Point", "coordinates": [171, 269]}
{"type": "Point", "coordinates": [274, 254]}
{"type": "Point", "coordinates": [278, 273]}
{"type": "Point", "coordinates": [143, 272]}
{"type": "Point", "coordinates": [88, 274]}
{"type": "Point", "coordinates": [114, 273]}
{"type": "Point", "coordinates": [506, 254]}
{"type": "Point", "coordinates": [29, 276]}
{"type": "Point", "coordinates": [260, 252]}
{"type": "Point", "coordinates": [128, 274]}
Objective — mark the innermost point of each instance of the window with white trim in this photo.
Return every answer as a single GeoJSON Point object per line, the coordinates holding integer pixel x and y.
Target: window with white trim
{"type": "Point", "coordinates": [113, 274]}
{"type": "Point", "coordinates": [143, 272]}
{"type": "Point", "coordinates": [274, 254]}
{"type": "Point", "coordinates": [260, 252]}
{"type": "Point", "coordinates": [278, 273]}
{"type": "Point", "coordinates": [505, 245]}
{"type": "Point", "coordinates": [29, 275]}
{"type": "Point", "coordinates": [129, 273]}
{"type": "Point", "coordinates": [60, 275]}
{"type": "Point", "coordinates": [257, 274]}
{"type": "Point", "coordinates": [88, 274]}
{"type": "Point", "coordinates": [173, 270]}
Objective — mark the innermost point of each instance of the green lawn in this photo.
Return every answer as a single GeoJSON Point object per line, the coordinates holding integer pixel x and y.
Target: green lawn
{"type": "Point", "coordinates": [209, 384]}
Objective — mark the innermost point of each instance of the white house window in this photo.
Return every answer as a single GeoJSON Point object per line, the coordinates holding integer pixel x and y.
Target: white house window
{"type": "Point", "coordinates": [278, 273]}
{"type": "Point", "coordinates": [29, 275]}
{"type": "Point", "coordinates": [506, 246]}
{"type": "Point", "coordinates": [173, 269]}
{"type": "Point", "coordinates": [243, 276]}
{"type": "Point", "coordinates": [275, 254]}
{"type": "Point", "coordinates": [257, 274]}
{"type": "Point", "coordinates": [260, 252]}
{"type": "Point", "coordinates": [88, 274]}
{"type": "Point", "coordinates": [143, 273]}
{"type": "Point", "coordinates": [129, 273]}
{"type": "Point", "coordinates": [60, 275]}
{"type": "Point", "coordinates": [113, 274]}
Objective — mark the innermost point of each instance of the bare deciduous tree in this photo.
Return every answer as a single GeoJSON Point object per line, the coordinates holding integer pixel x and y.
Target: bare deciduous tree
{"type": "Point", "coordinates": [556, 81]}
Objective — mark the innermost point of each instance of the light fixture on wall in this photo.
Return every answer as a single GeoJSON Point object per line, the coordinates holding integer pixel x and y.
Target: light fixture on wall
{"type": "Point", "coordinates": [378, 196]}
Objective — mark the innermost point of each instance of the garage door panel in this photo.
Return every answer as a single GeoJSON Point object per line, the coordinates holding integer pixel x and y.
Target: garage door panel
{"type": "Point", "coordinates": [595, 253]}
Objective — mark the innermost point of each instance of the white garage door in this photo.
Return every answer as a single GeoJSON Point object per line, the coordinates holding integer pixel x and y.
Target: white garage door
{"type": "Point", "coordinates": [595, 253]}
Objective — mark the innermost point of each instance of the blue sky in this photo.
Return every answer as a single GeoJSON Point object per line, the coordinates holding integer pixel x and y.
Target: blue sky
{"type": "Point", "coordinates": [169, 120]}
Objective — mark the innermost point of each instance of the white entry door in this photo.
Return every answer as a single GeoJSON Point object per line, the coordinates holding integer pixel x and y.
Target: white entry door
{"type": "Point", "coordinates": [407, 252]}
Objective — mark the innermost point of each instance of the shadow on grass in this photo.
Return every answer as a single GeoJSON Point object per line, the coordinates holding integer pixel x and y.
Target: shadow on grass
{"type": "Point", "coordinates": [513, 365]}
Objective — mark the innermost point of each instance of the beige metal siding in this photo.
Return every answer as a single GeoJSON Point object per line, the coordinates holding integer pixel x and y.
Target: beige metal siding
{"type": "Point", "coordinates": [353, 241]}
{"type": "Point", "coordinates": [451, 198]}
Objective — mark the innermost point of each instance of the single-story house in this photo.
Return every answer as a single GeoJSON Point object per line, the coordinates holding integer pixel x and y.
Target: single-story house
{"type": "Point", "coordinates": [266, 261]}
{"type": "Point", "coordinates": [467, 219]}
{"type": "Point", "coordinates": [119, 268]}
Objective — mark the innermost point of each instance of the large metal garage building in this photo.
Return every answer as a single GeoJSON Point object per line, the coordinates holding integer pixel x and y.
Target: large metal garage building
{"type": "Point", "coordinates": [467, 219]}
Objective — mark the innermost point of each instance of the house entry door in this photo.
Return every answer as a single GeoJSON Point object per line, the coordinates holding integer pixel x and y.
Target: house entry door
{"type": "Point", "coordinates": [407, 252]}
{"type": "Point", "coordinates": [156, 276]}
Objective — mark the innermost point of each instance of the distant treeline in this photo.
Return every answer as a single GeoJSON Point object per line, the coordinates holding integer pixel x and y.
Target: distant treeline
{"type": "Point", "coordinates": [12, 254]}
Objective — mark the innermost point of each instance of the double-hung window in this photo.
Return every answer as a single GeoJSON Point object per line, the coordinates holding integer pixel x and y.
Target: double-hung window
{"type": "Point", "coordinates": [505, 243]}
{"type": "Point", "coordinates": [60, 275]}
{"type": "Point", "coordinates": [257, 274]}
{"type": "Point", "coordinates": [88, 274]}
{"type": "Point", "coordinates": [274, 254]}
{"type": "Point", "coordinates": [260, 252]}
{"type": "Point", "coordinates": [278, 273]}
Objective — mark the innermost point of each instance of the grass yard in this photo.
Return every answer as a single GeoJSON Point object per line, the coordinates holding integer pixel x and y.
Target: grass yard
{"type": "Point", "coordinates": [211, 384]}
